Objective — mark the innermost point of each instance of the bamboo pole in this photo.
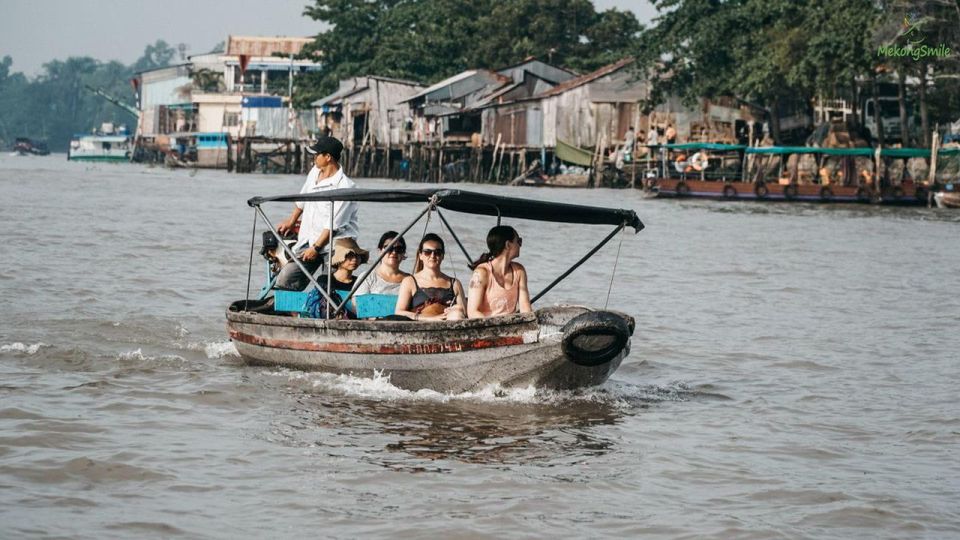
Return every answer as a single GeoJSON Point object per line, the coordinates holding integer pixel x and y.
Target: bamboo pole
{"type": "Point", "coordinates": [493, 158]}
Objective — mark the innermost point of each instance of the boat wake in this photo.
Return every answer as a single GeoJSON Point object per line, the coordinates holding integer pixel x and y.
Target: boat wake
{"type": "Point", "coordinates": [611, 393]}
{"type": "Point", "coordinates": [213, 350]}
{"type": "Point", "coordinates": [21, 348]}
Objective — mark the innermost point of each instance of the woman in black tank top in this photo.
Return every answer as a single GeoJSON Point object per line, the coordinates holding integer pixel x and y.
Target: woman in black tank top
{"type": "Point", "coordinates": [429, 294]}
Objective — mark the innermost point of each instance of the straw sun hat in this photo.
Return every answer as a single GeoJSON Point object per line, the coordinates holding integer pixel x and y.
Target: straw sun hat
{"type": "Point", "coordinates": [343, 247]}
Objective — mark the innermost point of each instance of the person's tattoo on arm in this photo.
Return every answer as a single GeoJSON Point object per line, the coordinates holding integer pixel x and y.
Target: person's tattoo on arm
{"type": "Point", "coordinates": [475, 281]}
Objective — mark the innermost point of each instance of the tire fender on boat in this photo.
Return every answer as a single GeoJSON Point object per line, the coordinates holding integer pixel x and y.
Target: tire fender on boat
{"type": "Point", "coordinates": [863, 195]}
{"type": "Point", "coordinates": [729, 192]}
{"type": "Point", "coordinates": [683, 189]}
{"type": "Point", "coordinates": [826, 194]}
{"type": "Point", "coordinates": [594, 338]}
{"type": "Point", "coordinates": [790, 192]}
{"type": "Point", "coordinates": [761, 191]}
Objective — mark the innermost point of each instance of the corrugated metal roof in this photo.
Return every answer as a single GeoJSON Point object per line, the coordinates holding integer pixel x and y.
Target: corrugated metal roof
{"type": "Point", "coordinates": [337, 96]}
{"type": "Point", "coordinates": [584, 79]}
{"type": "Point", "coordinates": [265, 46]}
{"type": "Point", "coordinates": [446, 82]}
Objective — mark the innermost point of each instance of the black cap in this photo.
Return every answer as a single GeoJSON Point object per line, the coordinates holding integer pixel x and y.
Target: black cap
{"type": "Point", "coordinates": [327, 145]}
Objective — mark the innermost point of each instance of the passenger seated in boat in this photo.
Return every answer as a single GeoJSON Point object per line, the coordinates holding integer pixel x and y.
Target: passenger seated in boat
{"type": "Point", "coordinates": [347, 256]}
{"type": "Point", "coordinates": [386, 279]}
{"type": "Point", "coordinates": [429, 294]}
{"type": "Point", "coordinates": [499, 285]}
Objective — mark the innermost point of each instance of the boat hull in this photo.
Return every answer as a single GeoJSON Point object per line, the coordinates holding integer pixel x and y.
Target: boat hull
{"type": "Point", "coordinates": [947, 199]}
{"type": "Point", "coordinates": [453, 357]}
{"type": "Point", "coordinates": [906, 194]}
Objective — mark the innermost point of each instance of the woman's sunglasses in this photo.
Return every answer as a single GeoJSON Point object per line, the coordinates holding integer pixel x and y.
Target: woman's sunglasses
{"type": "Point", "coordinates": [399, 250]}
{"type": "Point", "coordinates": [430, 252]}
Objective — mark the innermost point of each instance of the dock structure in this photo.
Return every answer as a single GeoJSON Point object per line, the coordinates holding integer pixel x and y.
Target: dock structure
{"type": "Point", "coordinates": [232, 110]}
{"type": "Point", "coordinates": [494, 126]}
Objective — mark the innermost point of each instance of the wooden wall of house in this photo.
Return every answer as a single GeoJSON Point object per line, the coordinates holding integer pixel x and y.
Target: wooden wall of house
{"type": "Point", "coordinates": [518, 125]}
{"type": "Point", "coordinates": [383, 117]}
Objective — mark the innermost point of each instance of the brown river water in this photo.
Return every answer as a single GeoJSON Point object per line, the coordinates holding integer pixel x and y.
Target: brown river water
{"type": "Point", "coordinates": [793, 375]}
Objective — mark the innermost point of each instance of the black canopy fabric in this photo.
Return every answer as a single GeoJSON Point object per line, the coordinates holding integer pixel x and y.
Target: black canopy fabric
{"type": "Point", "coordinates": [471, 202]}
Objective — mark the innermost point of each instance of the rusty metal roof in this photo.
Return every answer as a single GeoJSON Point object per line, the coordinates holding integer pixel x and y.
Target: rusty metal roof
{"type": "Point", "coordinates": [584, 79]}
{"type": "Point", "coordinates": [265, 46]}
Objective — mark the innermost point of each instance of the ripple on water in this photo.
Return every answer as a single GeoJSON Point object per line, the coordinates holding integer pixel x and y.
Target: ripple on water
{"type": "Point", "coordinates": [96, 471]}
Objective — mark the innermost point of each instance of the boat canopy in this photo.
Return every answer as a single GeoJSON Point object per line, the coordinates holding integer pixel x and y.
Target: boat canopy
{"type": "Point", "coordinates": [865, 151]}
{"type": "Point", "coordinates": [915, 152]}
{"type": "Point", "coordinates": [471, 202]}
{"type": "Point", "coordinates": [861, 151]}
{"type": "Point", "coordinates": [717, 147]}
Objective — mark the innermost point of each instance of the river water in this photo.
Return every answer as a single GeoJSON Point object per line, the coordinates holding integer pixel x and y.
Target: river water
{"type": "Point", "coordinates": [794, 374]}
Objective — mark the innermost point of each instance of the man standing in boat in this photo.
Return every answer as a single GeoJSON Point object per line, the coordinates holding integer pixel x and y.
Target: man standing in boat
{"type": "Point", "coordinates": [315, 233]}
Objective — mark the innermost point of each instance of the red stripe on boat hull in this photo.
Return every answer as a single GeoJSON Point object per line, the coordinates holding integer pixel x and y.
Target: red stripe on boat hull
{"type": "Point", "coordinates": [377, 348]}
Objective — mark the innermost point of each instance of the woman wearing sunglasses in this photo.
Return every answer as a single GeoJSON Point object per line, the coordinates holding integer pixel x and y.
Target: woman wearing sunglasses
{"type": "Point", "coordinates": [429, 294]}
{"type": "Point", "coordinates": [499, 285]}
{"type": "Point", "coordinates": [386, 279]}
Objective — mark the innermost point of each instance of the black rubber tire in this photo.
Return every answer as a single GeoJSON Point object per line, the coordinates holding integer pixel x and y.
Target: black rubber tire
{"type": "Point", "coordinates": [826, 194]}
{"type": "Point", "coordinates": [729, 192]}
{"type": "Point", "coordinates": [761, 191]}
{"type": "Point", "coordinates": [863, 195]}
{"type": "Point", "coordinates": [682, 189]}
{"type": "Point", "coordinates": [896, 193]}
{"type": "Point", "coordinates": [606, 333]}
{"type": "Point", "coordinates": [921, 194]}
{"type": "Point", "coordinates": [790, 192]}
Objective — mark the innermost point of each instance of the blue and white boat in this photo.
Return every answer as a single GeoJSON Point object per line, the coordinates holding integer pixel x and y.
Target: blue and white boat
{"type": "Point", "coordinates": [106, 144]}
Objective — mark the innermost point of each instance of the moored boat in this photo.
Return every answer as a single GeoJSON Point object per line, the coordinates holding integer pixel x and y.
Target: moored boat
{"type": "Point", "coordinates": [106, 144]}
{"type": "Point", "coordinates": [27, 147]}
{"type": "Point", "coordinates": [558, 347]}
{"type": "Point", "coordinates": [788, 173]}
{"type": "Point", "coordinates": [949, 197]}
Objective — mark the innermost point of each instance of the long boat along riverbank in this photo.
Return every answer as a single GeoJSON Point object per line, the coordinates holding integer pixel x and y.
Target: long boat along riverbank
{"type": "Point", "coordinates": [797, 173]}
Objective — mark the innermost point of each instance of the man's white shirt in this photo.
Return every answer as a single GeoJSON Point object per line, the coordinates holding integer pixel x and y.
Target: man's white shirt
{"type": "Point", "coordinates": [316, 215]}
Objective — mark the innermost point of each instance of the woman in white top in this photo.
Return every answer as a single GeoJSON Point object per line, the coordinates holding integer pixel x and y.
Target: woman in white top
{"type": "Point", "coordinates": [386, 279]}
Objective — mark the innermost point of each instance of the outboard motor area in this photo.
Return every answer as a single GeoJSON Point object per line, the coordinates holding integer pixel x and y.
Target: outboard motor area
{"type": "Point", "coordinates": [595, 337]}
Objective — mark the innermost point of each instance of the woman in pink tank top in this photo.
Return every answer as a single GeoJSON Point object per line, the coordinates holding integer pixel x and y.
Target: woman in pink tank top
{"type": "Point", "coordinates": [499, 285]}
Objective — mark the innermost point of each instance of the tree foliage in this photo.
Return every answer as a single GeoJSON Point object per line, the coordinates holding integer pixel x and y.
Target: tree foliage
{"type": "Point", "coordinates": [766, 51]}
{"type": "Point", "coordinates": [55, 104]}
{"type": "Point", "coordinates": [428, 40]}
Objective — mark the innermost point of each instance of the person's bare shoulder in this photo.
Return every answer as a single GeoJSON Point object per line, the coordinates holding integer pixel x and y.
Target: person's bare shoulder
{"type": "Point", "coordinates": [478, 278]}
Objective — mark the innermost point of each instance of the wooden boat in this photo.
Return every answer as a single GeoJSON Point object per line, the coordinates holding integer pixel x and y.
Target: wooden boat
{"type": "Point", "coordinates": [559, 347]}
{"type": "Point", "coordinates": [947, 199]}
{"type": "Point", "coordinates": [772, 178]}
{"type": "Point", "coordinates": [555, 347]}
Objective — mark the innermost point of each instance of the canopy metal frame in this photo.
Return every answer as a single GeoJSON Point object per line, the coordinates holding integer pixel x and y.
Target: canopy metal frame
{"type": "Point", "coordinates": [433, 204]}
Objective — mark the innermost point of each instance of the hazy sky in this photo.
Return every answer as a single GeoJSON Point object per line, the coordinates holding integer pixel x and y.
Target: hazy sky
{"type": "Point", "coordinates": [33, 32]}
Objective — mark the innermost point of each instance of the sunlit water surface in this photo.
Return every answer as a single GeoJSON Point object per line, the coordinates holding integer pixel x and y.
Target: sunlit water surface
{"type": "Point", "coordinates": [793, 374]}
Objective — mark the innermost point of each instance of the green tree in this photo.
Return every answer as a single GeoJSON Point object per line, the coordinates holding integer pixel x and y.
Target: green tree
{"type": "Point", "coordinates": [761, 51]}
{"type": "Point", "coordinates": [428, 40]}
{"type": "Point", "coordinates": [157, 55]}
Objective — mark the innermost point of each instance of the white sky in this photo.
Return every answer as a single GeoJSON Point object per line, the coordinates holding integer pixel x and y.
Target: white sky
{"type": "Point", "coordinates": [33, 32]}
